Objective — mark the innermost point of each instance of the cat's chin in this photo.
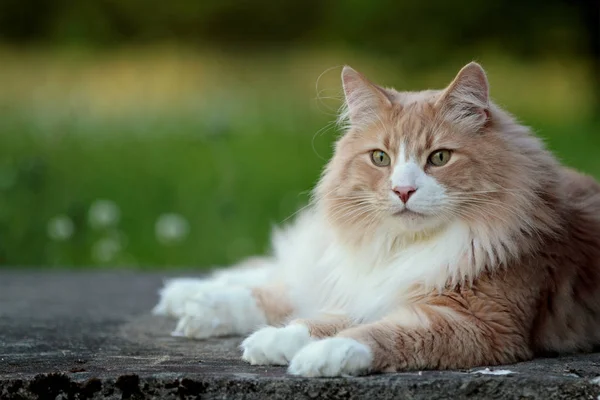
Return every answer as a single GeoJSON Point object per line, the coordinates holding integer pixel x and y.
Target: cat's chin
{"type": "Point", "coordinates": [414, 223]}
{"type": "Point", "coordinates": [412, 219]}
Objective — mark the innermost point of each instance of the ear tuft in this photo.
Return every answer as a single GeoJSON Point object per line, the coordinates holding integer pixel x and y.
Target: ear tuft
{"type": "Point", "coordinates": [466, 100]}
{"type": "Point", "coordinates": [364, 100]}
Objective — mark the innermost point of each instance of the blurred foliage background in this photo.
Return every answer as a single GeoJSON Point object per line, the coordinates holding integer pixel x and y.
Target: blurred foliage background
{"type": "Point", "coordinates": [156, 134]}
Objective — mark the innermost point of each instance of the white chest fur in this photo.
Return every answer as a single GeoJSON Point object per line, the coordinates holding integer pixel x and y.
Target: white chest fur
{"type": "Point", "coordinates": [365, 283]}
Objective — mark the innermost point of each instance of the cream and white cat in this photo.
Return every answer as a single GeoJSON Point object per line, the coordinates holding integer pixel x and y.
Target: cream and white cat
{"type": "Point", "coordinates": [442, 234]}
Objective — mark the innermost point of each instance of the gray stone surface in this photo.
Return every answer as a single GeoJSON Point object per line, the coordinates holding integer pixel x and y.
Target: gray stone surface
{"type": "Point", "coordinates": [89, 335]}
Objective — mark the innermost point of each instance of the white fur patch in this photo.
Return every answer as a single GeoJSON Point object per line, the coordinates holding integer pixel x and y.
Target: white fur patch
{"type": "Point", "coordinates": [325, 275]}
{"type": "Point", "coordinates": [406, 170]}
{"type": "Point", "coordinates": [219, 312]}
{"type": "Point", "coordinates": [277, 346]}
{"type": "Point", "coordinates": [176, 293]}
{"type": "Point", "coordinates": [332, 357]}
{"type": "Point", "coordinates": [429, 196]}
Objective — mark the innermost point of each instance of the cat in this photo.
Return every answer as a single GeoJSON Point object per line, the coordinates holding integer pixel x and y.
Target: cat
{"type": "Point", "coordinates": [441, 235]}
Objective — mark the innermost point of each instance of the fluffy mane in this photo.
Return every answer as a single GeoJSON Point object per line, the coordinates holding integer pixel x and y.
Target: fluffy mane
{"type": "Point", "coordinates": [508, 213]}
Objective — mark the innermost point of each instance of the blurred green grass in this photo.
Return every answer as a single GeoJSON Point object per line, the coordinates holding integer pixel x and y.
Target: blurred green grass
{"type": "Point", "coordinates": [232, 144]}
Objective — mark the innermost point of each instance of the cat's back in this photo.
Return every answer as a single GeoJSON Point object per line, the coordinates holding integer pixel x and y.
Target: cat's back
{"type": "Point", "coordinates": [569, 316]}
{"type": "Point", "coordinates": [579, 195]}
{"type": "Point", "coordinates": [579, 190]}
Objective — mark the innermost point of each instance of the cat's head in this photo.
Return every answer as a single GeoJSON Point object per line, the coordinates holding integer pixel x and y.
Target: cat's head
{"type": "Point", "coordinates": [409, 163]}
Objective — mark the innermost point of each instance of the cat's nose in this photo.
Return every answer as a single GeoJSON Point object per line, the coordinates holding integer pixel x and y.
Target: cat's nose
{"type": "Point", "coordinates": [404, 192]}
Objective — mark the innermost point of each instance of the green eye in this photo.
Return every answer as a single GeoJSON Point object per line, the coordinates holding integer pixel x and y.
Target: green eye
{"type": "Point", "coordinates": [380, 158]}
{"type": "Point", "coordinates": [440, 157]}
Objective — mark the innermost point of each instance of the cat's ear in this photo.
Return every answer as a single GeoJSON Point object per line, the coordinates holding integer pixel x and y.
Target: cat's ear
{"type": "Point", "coordinates": [364, 100]}
{"type": "Point", "coordinates": [466, 100]}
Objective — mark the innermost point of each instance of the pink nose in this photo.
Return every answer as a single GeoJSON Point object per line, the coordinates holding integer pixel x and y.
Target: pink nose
{"type": "Point", "coordinates": [404, 192]}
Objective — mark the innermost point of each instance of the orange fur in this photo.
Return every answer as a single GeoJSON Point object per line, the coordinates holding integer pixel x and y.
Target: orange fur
{"type": "Point", "coordinates": [530, 284]}
{"type": "Point", "coordinates": [272, 300]}
{"type": "Point", "coordinates": [325, 325]}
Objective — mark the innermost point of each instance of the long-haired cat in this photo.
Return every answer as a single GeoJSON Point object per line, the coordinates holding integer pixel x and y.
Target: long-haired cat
{"type": "Point", "coordinates": [442, 234]}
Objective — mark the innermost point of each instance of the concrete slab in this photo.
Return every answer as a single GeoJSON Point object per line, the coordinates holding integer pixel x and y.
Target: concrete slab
{"type": "Point", "coordinates": [88, 335]}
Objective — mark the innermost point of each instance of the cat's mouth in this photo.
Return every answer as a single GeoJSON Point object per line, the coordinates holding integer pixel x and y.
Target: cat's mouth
{"type": "Point", "coordinates": [405, 212]}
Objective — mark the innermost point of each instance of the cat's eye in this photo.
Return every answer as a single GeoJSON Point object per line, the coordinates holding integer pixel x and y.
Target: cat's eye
{"type": "Point", "coordinates": [440, 157]}
{"type": "Point", "coordinates": [380, 158]}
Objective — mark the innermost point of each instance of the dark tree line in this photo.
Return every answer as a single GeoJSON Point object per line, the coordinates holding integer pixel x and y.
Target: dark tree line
{"type": "Point", "coordinates": [420, 32]}
{"type": "Point", "coordinates": [400, 26]}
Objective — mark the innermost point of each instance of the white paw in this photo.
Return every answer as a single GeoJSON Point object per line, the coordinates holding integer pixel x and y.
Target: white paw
{"type": "Point", "coordinates": [277, 346]}
{"type": "Point", "coordinates": [332, 357]}
{"type": "Point", "coordinates": [177, 292]}
{"type": "Point", "coordinates": [220, 312]}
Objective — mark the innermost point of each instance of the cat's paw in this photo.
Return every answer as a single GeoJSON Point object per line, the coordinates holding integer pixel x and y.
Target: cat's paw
{"type": "Point", "coordinates": [276, 346]}
{"type": "Point", "coordinates": [220, 312]}
{"type": "Point", "coordinates": [332, 357]}
{"type": "Point", "coordinates": [176, 292]}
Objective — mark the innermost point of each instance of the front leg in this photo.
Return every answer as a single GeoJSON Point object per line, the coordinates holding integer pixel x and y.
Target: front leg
{"type": "Point", "coordinates": [222, 311]}
{"type": "Point", "coordinates": [427, 336]}
{"type": "Point", "coordinates": [232, 310]}
{"type": "Point", "coordinates": [277, 345]}
{"type": "Point", "coordinates": [253, 272]}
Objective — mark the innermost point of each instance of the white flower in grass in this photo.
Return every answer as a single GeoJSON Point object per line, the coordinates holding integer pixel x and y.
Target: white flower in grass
{"type": "Point", "coordinates": [104, 214]}
{"type": "Point", "coordinates": [171, 228]}
{"type": "Point", "coordinates": [60, 228]}
{"type": "Point", "coordinates": [106, 249]}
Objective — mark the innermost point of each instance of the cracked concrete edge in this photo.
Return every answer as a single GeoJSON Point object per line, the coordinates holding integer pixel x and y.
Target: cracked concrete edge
{"type": "Point", "coordinates": [171, 386]}
{"type": "Point", "coordinates": [93, 339]}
